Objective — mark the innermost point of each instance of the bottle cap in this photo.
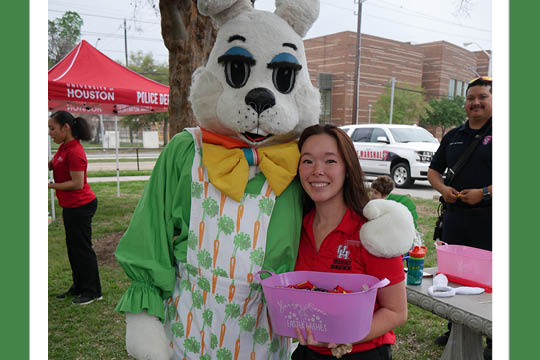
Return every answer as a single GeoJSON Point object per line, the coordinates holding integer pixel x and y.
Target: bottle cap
{"type": "Point", "coordinates": [418, 251]}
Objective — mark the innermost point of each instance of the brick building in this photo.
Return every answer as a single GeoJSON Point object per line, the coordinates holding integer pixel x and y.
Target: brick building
{"type": "Point", "coordinates": [440, 68]}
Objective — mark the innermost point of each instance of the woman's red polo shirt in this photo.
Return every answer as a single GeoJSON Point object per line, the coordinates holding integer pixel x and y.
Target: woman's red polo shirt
{"type": "Point", "coordinates": [341, 251]}
{"type": "Point", "coordinates": [71, 157]}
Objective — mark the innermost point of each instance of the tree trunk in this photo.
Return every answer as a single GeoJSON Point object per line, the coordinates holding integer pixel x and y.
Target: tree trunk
{"type": "Point", "coordinates": [189, 37]}
{"type": "Point", "coordinates": [165, 131]}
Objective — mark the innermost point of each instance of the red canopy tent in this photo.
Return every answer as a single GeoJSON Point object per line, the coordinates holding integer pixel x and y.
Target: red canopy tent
{"type": "Point", "coordinates": [87, 81]}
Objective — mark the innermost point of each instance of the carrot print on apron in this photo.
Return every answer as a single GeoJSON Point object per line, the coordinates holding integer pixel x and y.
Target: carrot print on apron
{"type": "Point", "coordinates": [217, 310]}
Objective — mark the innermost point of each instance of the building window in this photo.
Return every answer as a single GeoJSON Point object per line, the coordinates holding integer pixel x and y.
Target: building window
{"type": "Point", "coordinates": [325, 88]}
{"type": "Point", "coordinates": [451, 88]}
{"type": "Point", "coordinates": [459, 88]}
{"type": "Point", "coordinates": [326, 106]}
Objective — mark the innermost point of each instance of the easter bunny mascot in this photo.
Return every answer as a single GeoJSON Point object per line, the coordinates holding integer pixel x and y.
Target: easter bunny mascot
{"type": "Point", "coordinates": [223, 201]}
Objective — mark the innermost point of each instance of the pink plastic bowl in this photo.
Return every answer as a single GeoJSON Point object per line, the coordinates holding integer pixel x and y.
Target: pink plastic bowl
{"type": "Point", "coordinates": [338, 318]}
{"type": "Point", "coordinates": [465, 265]}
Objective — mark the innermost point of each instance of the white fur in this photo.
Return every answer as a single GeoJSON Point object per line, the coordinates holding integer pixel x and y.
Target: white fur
{"type": "Point", "coordinates": [222, 11]}
{"type": "Point", "coordinates": [300, 14]}
{"type": "Point", "coordinates": [390, 230]}
{"type": "Point", "coordinates": [146, 338]}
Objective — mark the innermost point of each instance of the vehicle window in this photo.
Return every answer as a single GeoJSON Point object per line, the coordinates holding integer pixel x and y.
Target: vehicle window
{"type": "Point", "coordinates": [412, 134]}
{"type": "Point", "coordinates": [362, 135]}
{"type": "Point", "coordinates": [376, 133]}
{"type": "Point", "coordinates": [346, 129]}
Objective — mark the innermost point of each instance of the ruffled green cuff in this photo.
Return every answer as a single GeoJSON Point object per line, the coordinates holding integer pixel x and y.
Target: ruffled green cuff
{"type": "Point", "coordinates": [142, 296]}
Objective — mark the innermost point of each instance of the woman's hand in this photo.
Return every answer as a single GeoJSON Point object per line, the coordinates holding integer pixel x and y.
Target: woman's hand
{"type": "Point", "coordinates": [337, 350]}
{"type": "Point", "coordinates": [311, 340]}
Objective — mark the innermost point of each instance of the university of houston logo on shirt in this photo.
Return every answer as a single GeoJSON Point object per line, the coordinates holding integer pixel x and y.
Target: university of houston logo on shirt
{"type": "Point", "coordinates": [342, 261]}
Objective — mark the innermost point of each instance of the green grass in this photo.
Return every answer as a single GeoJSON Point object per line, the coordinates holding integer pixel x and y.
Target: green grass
{"type": "Point", "coordinates": [96, 331]}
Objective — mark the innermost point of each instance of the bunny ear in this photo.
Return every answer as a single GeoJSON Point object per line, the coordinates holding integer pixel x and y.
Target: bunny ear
{"type": "Point", "coordinates": [299, 14]}
{"type": "Point", "coordinates": [222, 11]}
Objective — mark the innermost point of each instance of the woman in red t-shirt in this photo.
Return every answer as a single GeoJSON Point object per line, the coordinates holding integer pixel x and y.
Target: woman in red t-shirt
{"type": "Point", "coordinates": [79, 204]}
{"type": "Point", "coordinates": [331, 176]}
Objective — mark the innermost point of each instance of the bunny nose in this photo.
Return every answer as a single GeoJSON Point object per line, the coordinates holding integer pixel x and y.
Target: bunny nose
{"type": "Point", "coordinates": [260, 99]}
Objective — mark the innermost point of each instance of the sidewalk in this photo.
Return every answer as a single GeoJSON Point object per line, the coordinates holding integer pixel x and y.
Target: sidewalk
{"type": "Point", "coordinates": [113, 178]}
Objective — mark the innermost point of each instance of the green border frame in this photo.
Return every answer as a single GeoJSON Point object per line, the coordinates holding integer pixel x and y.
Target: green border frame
{"type": "Point", "coordinates": [524, 55]}
{"type": "Point", "coordinates": [14, 212]}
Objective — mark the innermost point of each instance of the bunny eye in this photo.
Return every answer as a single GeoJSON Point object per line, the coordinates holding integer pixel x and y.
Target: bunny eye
{"type": "Point", "coordinates": [284, 68]}
{"type": "Point", "coordinates": [237, 63]}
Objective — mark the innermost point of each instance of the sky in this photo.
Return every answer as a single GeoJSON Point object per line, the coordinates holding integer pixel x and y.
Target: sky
{"type": "Point", "coordinates": [415, 21]}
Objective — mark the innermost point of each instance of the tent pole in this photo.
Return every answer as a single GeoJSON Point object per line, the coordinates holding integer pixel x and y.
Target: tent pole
{"type": "Point", "coordinates": [102, 132]}
{"type": "Point", "coordinates": [117, 167]}
{"type": "Point", "coordinates": [53, 215]}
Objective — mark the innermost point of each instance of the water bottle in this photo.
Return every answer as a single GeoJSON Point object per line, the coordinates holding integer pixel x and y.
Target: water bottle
{"type": "Point", "coordinates": [416, 265]}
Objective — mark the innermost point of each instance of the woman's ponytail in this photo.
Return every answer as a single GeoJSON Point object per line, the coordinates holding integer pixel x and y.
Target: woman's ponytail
{"type": "Point", "coordinates": [80, 129]}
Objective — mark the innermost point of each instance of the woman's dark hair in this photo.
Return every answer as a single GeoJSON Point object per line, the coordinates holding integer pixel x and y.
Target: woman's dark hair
{"type": "Point", "coordinates": [79, 126]}
{"type": "Point", "coordinates": [354, 189]}
{"type": "Point", "coordinates": [383, 184]}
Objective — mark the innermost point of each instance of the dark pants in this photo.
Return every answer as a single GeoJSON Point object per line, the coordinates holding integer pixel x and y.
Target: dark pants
{"type": "Point", "coordinates": [82, 258]}
{"type": "Point", "coordinates": [469, 227]}
{"type": "Point", "coordinates": [383, 352]}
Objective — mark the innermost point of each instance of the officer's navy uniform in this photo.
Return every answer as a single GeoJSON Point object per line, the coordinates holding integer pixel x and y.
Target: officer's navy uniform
{"type": "Point", "coordinates": [466, 224]}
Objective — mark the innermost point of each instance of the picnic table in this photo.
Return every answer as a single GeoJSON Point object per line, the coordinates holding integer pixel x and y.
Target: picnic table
{"type": "Point", "coordinates": [470, 316]}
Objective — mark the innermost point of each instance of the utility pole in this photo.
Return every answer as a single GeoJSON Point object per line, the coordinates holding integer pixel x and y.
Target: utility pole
{"type": "Point", "coordinates": [357, 62]}
{"type": "Point", "coordinates": [392, 98]}
{"type": "Point", "coordinates": [125, 42]}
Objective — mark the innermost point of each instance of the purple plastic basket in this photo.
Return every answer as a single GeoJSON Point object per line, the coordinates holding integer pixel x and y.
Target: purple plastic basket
{"type": "Point", "coordinates": [337, 318]}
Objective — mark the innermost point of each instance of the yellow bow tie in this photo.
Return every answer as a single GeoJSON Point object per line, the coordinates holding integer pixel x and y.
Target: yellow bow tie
{"type": "Point", "coordinates": [228, 168]}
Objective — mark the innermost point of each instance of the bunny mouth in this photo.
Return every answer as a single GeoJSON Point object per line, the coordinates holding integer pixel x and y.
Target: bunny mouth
{"type": "Point", "coordinates": [255, 137]}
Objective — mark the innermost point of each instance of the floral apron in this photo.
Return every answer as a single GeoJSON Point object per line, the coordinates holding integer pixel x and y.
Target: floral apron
{"type": "Point", "coordinates": [217, 310]}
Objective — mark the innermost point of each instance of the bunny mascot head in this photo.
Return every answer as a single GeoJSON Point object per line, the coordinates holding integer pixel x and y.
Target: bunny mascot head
{"type": "Point", "coordinates": [255, 86]}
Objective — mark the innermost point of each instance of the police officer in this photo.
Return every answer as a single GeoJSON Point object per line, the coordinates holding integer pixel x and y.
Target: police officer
{"type": "Point", "coordinates": [467, 220]}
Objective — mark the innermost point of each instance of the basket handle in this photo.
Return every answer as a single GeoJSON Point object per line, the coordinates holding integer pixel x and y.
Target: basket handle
{"type": "Point", "coordinates": [380, 284]}
{"type": "Point", "coordinates": [439, 243]}
{"type": "Point", "coordinates": [258, 276]}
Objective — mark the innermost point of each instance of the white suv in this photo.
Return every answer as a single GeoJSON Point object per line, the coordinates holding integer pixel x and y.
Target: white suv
{"type": "Point", "coordinates": [402, 151]}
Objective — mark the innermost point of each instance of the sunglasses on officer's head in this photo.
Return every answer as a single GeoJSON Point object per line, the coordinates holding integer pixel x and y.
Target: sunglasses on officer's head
{"type": "Point", "coordinates": [485, 78]}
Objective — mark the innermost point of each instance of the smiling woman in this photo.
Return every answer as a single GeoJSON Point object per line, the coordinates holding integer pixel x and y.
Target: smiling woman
{"type": "Point", "coordinates": [331, 176]}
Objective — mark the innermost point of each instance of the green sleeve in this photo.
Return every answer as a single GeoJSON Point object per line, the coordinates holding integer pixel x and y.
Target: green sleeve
{"type": "Point", "coordinates": [405, 200]}
{"type": "Point", "coordinates": [157, 234]}
{"type": "Point", "coordinates": [284, 230]}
